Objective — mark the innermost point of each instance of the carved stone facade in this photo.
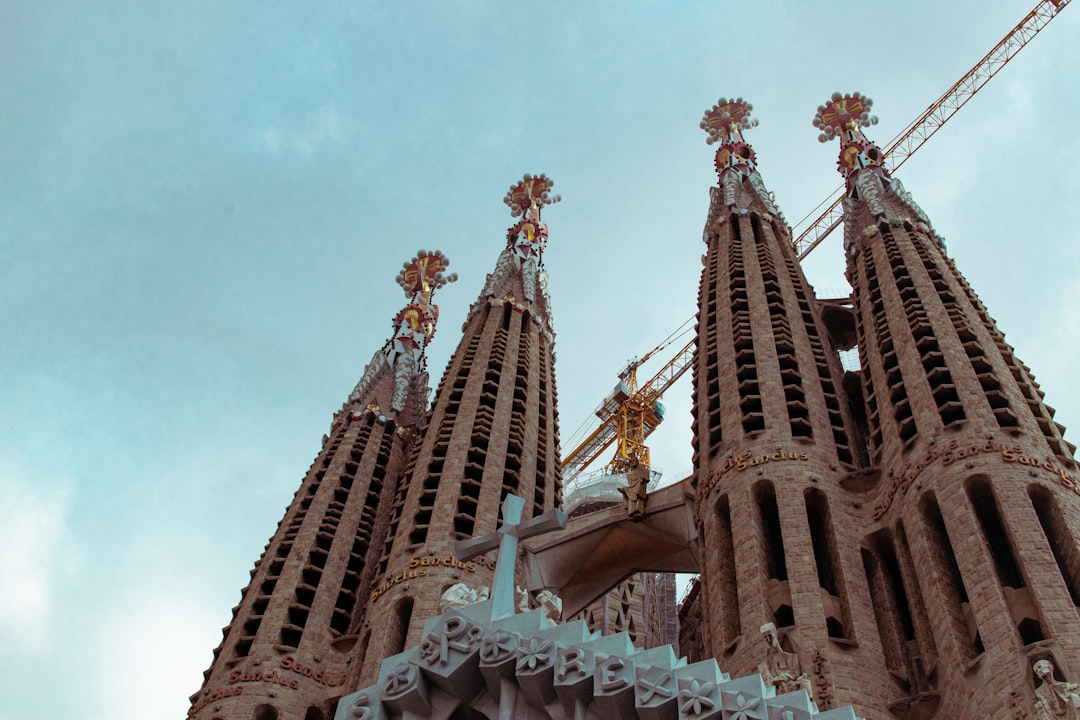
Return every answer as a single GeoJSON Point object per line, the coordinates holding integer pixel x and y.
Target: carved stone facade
{"type": "Point", "coordinates": [916, 544]}
{"type": "Point", "coordinates": [492, 431]}
{"type": "Point", "coordinates": [909, 530]}
{"type": "Point", "coordinates": [522, 667]}
{"type": "Point", "coordinates": [289, 646]}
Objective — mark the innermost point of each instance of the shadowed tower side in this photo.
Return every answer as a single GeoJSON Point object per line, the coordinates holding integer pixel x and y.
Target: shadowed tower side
{"type": "Point", "coordinates": [972, 518]}
{"type": "Point", "coordinates": [288, 649]}
{"type": "Point", "coordinates": [772, 439]}
{"type": "Point", "coordinates": [493, 431]}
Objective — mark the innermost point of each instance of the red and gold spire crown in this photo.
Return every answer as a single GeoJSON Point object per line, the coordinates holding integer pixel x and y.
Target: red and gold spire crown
{"type": "Point", "coordinates": [724, 124]}
{"type": "Point", "coordinates": [420, 278]}
{"type": "Point", "coordinates": [525, 198]}
{"type": "Point", "coordinates": [843, 117]}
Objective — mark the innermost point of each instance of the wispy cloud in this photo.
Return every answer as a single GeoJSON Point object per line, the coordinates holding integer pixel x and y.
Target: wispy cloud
{"type": "Point", "coordinates": [32, 540]}
{"type": "Point", "coordinates": [319, 128]}
{"type": "Point", "coordinates": [148, 620]}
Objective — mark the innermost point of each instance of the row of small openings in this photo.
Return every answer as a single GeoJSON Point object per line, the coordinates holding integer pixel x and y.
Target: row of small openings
{"type": "Point", "coordinates": [752, 414]}
{"type": "Point", "coordinates": [304, 595]}
{"type": "Point", "coordinates": [401, 491]}
{"type": "Point", "coordinates": [942, 387]}
{"type": "Point", "coordinates": [266, 588]}
{"type": "Point", "coordinates": [980, 364]}
{"type": "Point", "coordinates": [894, 379]}
{"type": "Point", "coordinates": [517, 438]}
{"type": "Point", "coordinates": [871, 287]}
{"type": "Point", "coordinates": [539, 487]}
{"type": "Point", "coordinates": [432, 474]}
{"type": "Point", "coordinates": [794, 393]}
{"type": "Point", "coordinates": [1044, 415]}
{"type": "Point", "coordinates": [468, 501]}
{"type": "Point", "coordinates": [899, 609]}
{"type": "Point", "coordinates": [821, 362]}
{"type": "Point", "coordinates": [341, 618]}
{"type": "Point", "coordinates": [920, 328]}
{"type": "Point", "coordinates": [547, 436]}
{"type": "Point", "coordinates": [707, 327]}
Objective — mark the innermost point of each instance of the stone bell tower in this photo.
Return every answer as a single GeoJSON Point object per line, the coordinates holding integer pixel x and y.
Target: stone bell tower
{"type": "Point", "coordinates": [773, 435]}
{"type": "Point", "coordinates": [288, 650]}
{"type": "Point", "coordinates": [970, 511]}
{"type": "Point", "coordinates": [493, 431]}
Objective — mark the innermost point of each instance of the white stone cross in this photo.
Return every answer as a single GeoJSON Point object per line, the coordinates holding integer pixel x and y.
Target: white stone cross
{"type": "Point", "coordinates": [506, 539]}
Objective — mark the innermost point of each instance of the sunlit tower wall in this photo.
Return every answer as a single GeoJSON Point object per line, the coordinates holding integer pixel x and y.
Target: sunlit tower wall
{"type": "Point", "coordinates": [772, 436]}
{"type": "Point", "coordinates": [971, 506]}
{"type": "Point", "coordinates": [493, 431]}
{"type": "Point", "coordinates": [287, 651]}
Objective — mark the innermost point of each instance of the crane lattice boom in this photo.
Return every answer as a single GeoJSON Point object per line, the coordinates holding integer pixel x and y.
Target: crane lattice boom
{"type": "Point", "coordinates": [923, 127]}
{"type": "Point", "coordinates": [647, 394]}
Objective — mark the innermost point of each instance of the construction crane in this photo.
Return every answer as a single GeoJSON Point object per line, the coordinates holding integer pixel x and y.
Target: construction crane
{"type": "Point", "coordinates": [630, 413]}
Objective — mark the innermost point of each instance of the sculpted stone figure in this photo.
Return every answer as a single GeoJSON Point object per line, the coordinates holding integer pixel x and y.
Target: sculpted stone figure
{"type": "Point", "coordinates": [459, 595]}
{"type": "Point", "coordinates": [1054, 699]}
{"type": "Point", "coordinates": [636, 490]}
{"type": "Point", "coordinates": [781, 668]}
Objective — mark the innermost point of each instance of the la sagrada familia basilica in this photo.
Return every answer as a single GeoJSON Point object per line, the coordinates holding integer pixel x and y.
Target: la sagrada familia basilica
{"type": "Point", "coordinates": [897, 541]}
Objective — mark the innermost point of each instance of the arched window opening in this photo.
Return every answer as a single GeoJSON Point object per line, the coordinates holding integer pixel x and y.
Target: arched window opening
{"type": "Point", "coordinates": [265, 712]}
{"type": "Point", "coordinates": [1061, 541]}
{"type": "Point", "coordinates": [398, 629]}
{"type": "Point", "coordinates": [827, 559]}
{"type": "Point", "coordinates": [775, 563]}
{"type": "Point", "coordinates": [944, 558]}
{"type": "Point", "coordinates": [893, 612]}
{"type": "Point", "coordinates": [725, 554]}
{"type": "Point", "coordinates": [769, 514]}
{"type": "Point", "coordinates": [1018, 596]}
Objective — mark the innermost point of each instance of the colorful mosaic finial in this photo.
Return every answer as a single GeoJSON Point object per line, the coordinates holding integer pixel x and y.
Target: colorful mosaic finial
{"type": "Point", "coordinates": [843, 112]}
{"type": "Point", "coordinates": [402, 359]}
{"type": "Point", "coordinates": [879, 196]}
{"type": "Point", "coordinates": [424, 273]}
{"type": "Point", "coordinates": [735, 160]}
{"type": "Point", "coordinates": [530, 192]}
{"type": "Point", "coordinates": [843, 117]}
{"type": "Point", "coordinates": [726, 115]}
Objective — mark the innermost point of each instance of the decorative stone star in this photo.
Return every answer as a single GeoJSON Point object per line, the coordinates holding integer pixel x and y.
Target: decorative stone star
{"type": "Point", "coordinates": [535, 653]}
{"type": "Point", "coordinates": [743, 706]}
{"type": "Point", "coordinates": [497, 646]}
{"type": "Point", "coordinates": [694, 698]}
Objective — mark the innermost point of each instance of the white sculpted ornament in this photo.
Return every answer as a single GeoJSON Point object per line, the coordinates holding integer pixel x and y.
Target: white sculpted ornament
{"type": "Point", "coordinates": [1054, 699]}
{"type": "Point", "coordinates": [781, 668]}
{"type": "Point", "coordinates": [460, 595]}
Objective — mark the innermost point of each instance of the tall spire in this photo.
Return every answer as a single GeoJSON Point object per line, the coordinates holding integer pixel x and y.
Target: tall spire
{"type": "Point", "coordinates": [735, 160]}
{"type": "Point", "coordinates": [872, 193]}
{"type": "Point", "coordinates": [395, 380]}
{"type": "Point", "coordinates": [519, 277]}
{"type": "Point", "coordinates": [492, 432]}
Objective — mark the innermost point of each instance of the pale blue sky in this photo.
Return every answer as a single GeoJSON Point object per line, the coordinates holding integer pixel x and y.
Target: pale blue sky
{"type": "Point", "coordinates": [203, 206]}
